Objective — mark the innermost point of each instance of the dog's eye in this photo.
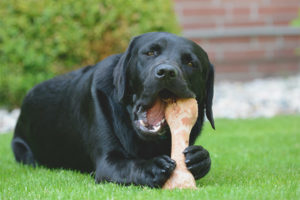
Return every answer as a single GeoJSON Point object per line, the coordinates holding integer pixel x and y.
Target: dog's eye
{"type": "Point", "coordinates": [190, 64]}
{"type": "Point", "coordinates": [150, 53]}
{"type": "Point", "coordinates": [188, 60]}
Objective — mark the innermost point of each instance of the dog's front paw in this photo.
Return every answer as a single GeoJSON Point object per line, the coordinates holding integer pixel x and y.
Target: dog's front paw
{"type": "Point", "coordinates": [197, 160]}
{"type": "Point", "coordinates": [159, 170]}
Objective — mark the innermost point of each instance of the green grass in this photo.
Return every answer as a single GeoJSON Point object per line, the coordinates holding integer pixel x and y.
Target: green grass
{"type": "Point", "coordinates": [251, 159]}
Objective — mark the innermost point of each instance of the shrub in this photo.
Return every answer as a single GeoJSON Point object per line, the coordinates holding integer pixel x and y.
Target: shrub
{"type": "Point", "coordinates": [41, 39]}
{"type": "Point", "coordinates": [296, 22]}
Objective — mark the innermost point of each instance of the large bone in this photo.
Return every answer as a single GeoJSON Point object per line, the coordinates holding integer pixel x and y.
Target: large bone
{"type": "Point", "coordinates": [181, 116]}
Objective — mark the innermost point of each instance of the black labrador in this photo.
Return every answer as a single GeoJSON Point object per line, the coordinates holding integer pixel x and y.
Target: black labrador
{"type": "Point", "coordinates": [96, 119]}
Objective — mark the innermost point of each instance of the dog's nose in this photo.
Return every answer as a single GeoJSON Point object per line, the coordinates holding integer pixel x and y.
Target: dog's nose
{"type": "Point", "coordinates": [165, 71]}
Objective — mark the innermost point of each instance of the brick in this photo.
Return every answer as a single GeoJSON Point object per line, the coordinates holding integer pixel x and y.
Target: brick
{"type": "Point", "coordinates": [282, 23]}
{"type": "Point", "coordinates": [198, 25]}
{"type": "Point", "coordinates": [285, 2]}
{"type": "Point", "coordinates": [203, 11]}
{"type": "Point", "coordinates": [285, 53]}
{"type": "Point", "coordinates": [284, 18]}
{"type": "Point", "coordinates": [245, 55]}
{"type": "Point", "coordinates": [295, 39]}
{"type": "Point", "coordinates": [278, 67]}
{"type": "Point", "coordinates": [235, 76]}
{"type": "Point", "coordinates": [241, 11]}
{"type": "Point", "coordinates": [277, 10]}
{"type": "Point", "coordinates": [221, 44]}
{"type": "Point", "coordinates": [289, 42]}
{"type": "Point", "coordinates": [229, 41]}
{"type": "Point", "coordinates": [245, 23]}
{"type": "Point", "coordinates": [270, 42]}
{"type": "Point", "coordinates": [232, 67]}
{"type": "Point", "coordinates": [266, 39]}
{"type": "Point", "coordinates": [241, 2]}
{"type": "Point", "coordinates": [249, 71]}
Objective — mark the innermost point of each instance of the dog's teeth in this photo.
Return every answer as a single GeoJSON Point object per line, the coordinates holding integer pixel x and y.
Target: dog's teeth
{"type": "Point", "coordinates": [144, 115]}
{"type": "Point", "coordinates": [161, 122]}
{"type": "Point", "coordinates": [142, 123]}
{"type": "Point", "coordinates": [156, 128]}
{"type": "Point", "coordinates": [139, 109]}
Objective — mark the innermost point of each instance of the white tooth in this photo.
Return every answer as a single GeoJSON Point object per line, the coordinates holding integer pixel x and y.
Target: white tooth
{"type": "Point", "coordinates": [139, 109]}
{"type": "Point", "coordinates": [156, 128]}
{"type": "Point", "coordinates": [142, 122]}
{"type": "Point", "coordinates": [144, 115]}
{"type": "Point", "coordinates": [161, 122]}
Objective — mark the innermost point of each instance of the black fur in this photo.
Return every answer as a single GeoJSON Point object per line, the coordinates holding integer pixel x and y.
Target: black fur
{"type": "Point", "coordinates": [86, 119]}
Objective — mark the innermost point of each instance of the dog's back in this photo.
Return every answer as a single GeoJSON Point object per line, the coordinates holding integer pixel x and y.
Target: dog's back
{"type": "Point", "coordinates": [48, 121]}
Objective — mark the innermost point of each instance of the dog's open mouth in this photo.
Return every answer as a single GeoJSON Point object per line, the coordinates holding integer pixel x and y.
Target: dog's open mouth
{"type": "Point", "coordinates": [150, 119]}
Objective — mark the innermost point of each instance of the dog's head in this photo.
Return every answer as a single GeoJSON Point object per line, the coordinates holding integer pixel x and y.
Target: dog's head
{"type": "Point", "coordinates": [158, 66]}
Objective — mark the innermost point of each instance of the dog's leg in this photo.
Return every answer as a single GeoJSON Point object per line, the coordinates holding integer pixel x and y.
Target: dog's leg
{"type": "Point", "coordinates": [197, 160]}
{"type": "Point", "coordinates": [22, 151]}
{"type": "Point", "coordinates": [152, 173]}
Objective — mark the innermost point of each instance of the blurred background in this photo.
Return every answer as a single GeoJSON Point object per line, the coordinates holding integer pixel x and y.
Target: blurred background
{"type": "Point", "coordinates": [255, 48]}
{"type": "Point", "coordinates": [253, 44]}
{"type": "Point", "coordinates": [246, 39]}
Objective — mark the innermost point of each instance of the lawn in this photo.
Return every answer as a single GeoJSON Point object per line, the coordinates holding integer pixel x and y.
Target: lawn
{"type": "Point", "coordinates": [251, 159]}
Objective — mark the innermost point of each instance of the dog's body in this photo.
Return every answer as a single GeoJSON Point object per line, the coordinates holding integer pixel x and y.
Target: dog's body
{"type": "Point", "coordinates": [97, 118]}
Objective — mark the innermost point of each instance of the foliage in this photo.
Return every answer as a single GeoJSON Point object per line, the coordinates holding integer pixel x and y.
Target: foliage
{"type": "Point", "coordinates": [43, 38]}
{"type": "Point", "coordinates": [296, 22]}
{"type": "Point", "coordinates": [251, 159]}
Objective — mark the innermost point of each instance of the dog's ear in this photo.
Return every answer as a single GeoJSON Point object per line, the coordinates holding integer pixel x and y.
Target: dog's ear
{"type": "Point", "coordinates": [120, 73]}
{"type": "Point", "coordinates": [209, 95]}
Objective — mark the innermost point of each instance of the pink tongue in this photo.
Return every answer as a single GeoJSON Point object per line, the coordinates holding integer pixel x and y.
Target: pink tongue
{"type": "Point", "coordinates": [156, 113]}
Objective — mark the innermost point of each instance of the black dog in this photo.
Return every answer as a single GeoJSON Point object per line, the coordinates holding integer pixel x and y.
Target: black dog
{"type": "Point", "coordinates": [96, 119]}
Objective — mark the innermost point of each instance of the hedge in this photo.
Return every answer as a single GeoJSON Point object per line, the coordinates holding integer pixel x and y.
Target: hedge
{"type": "Point", "coordinates": [43, 38]}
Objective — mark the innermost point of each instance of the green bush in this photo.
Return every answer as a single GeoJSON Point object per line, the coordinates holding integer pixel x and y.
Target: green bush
{"type": "Point", "coordinates": [296, 22]}
{"type": "Point", "coordinates": [42, 38]}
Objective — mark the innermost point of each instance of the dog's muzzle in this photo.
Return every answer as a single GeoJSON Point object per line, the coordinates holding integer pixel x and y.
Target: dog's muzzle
{"type": "Point", "coordinates": [165, 72]}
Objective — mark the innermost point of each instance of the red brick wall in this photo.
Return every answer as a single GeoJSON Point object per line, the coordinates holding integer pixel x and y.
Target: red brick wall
{"type": "Point", "coordinates": [245, 39]}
